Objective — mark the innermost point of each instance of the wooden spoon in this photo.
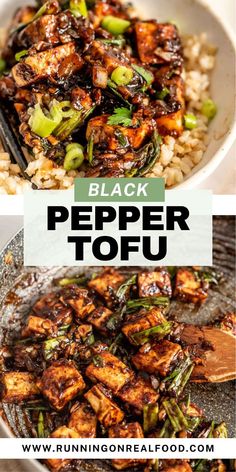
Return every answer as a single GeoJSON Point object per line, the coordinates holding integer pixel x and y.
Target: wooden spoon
{"type": "Point", "coordinates": [219, 360]}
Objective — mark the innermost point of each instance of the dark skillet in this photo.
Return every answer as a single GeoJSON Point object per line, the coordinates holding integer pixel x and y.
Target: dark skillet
{"type": "Point", "coordinates": [21, 286]}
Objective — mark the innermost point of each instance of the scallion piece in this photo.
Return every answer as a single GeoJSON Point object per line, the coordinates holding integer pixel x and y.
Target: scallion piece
{"type": "Point", "coordinates": [21, 54]}
{"type": "Point", "coordinates": [180, 376]}
{"type": "Point", "coordinates": [66, 109]}
{"type": "Point", "coordinates": [163, 93]}
{"type": "Point", "coordinates": [41, 430]}
{"type": "Point", "coordinates": [122, 75]}
{"type": "Point", "coordinates": [156, 331]}
{"type": "Point", "coordinates": [190, 121]}
{"type": "Point", "coordinates": [74, 280]}
{"type": "Point", "coordinates": [144, 73]}
{"type": "Point", "coordinates": [125, 287]}
{"type": "Point", "coordinates": [90, 149]}
{"type": "Point", "coordinates": [175, 415]}
{"type": "Point", "coordinates": [209, 109]}
{"type": "Point", "coordinates": [3, 65]}
{"type": "Point", "coordinates": [41, 11]}
{"type": "Point", "coordinates": [150, 416]}
{"type": "Point", "coordinates": [147, 302]}
{"type": "Point", "coordinates": [43, 125]}
{"type": "Point", "coordinates": [79, 8]}
{"type": "Point", "coordinates": [74, 156]}
{"type": "Point", "coordinates": [50, 345]}
{"type": "Point", "coordinates": [115, 25]}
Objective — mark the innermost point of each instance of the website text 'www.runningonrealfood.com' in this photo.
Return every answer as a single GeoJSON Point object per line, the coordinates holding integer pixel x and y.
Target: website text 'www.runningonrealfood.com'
{"type": "Point", "coordinates": [117, 236]}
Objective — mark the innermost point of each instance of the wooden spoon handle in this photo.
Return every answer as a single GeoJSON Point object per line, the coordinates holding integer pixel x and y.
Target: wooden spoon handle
{"type": "Point", "coordinates": [219, 361]}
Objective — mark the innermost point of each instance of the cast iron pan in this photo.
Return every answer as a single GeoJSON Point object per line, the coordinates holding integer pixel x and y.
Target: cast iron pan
{"type": "Point", "coordinates": [21, 286]}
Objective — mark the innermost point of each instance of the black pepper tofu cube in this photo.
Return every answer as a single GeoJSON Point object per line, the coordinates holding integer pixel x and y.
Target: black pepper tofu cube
{"type": "Point", "coordinates": [83, 420]}
{"type": "Point", "coordinates": [99, 319]}
{"type": "Point", "coordinates": [142, 322]}
{"type": "Point", "coordinates": [78, 299]}
{"type": "Point", "coordinates": [60, 383]}
{"type": "Point", "coordinates": [157, 357]}
{"type": "Point", "coordinates": [18, 386]}
{"type": "Point", "coordinates": [57, 62]}
{"type": "Point", "coordinates": [138, 393]}
{"type": "Point", "coordinates": [130, 430]}
{"type": "Point", "coordinates": [109, 370]}
{"type": "Point", "coordinates": [108, 136]}
{"type": "Point", "coordinates": [189, 287]}
{"type": "Point", "coordinates": [158, 43]}
{"type": "Point", "coordinates": [107, 411]}
{"type": "Point", "coordinates": [154, 284]}
{"type": "Point", "coordinates": [107, 283]}
{"type": "Point", "coordinates": [177, 466]}
{"type": "Point", "coordinates": [37, 327]}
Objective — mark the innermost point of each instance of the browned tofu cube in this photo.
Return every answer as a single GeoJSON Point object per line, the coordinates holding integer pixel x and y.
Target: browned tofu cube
{"type": "Point", "coordinates": [154, 284]}
{"type": "Point", "coordinates": [59, 433]}
{"type": "Point", "coordinates": [180, 466]}
{"type": "Point", "coordinates": [107, 411]}
{"type": "Point", "coordinates": [106, 283]}
{"type": "Point", "coordinates": [99, 318]}
{"type": "Point", "coordinates": [138, 393]}
{"type": "Point", "coordinates": [55, 62]}
{"type": "Point", "coordinates": [109, 370]}
{"type": "Point", "coordinates": [157, 357]}
{"type": "Point", "coordinates": [78, 299]}
{"type": "Point", "coordinates": [83, 420]}
{"type": "Point", "coordinates": [171, 124]}
{"type": "Point", "coordinates": [38, 327]}
{"type": "Point", "coordinates": [142, 322]}
{"type": "Point", "coordinates": [157, 43]}
{"type": "Point", "coordinates": [130, 430]}
{"type": "Point", "coordinates": [189, 287]}
{"type": "Point", "coordinates": [18, 386]}
{"type": "Point", "coordinates": [60, 383]}
{"type": "Point", "coordinates": [108, 135]}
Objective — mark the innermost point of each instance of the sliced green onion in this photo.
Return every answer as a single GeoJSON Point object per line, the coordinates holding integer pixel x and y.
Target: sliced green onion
{"type": "Point", "coordinates": [147, 302]}
{"type": "Point", "coordinates": [21, 54]}
{"type": "Point", "coordinates": [66, 109]}
{"type": "Point", "coordinates": [74, 280]}
{"type": "Point", "coordinates": [209, 109]}
{"type": "Point", "coordinates": [43, 125]}
{"type": "Point", "coordinates": [145, 74]}
{"type": "Point", "coordinates": [180, 376]}
{"type": "Point", "coordinates": [79, 8]}
{"type": "Point", "coordinates": [3, 65]}
{"type": "Point", "coordinates": [190, 121]}
{"type": "Point", "coordinates": [115, 25]}
{"type": "Point", "coordinates": [41, 11]}
{"type": "Point", "coordinates": [150, 416]}
{"type": "Point", "coordinates": [68, 126]}
{"type": "Point", "coordinates": [122, 75]}
{"type": "Point", "coordinates": [124, 288]}
{"type": "Point", "coordinates": [175, 415]}
{"type": "Point", "coordinates": [114, 42]}
{"type": "Point", "coordinates": [41, 430]}
{"type": "Point", "coordinates": [90, 149]}
{"type": "Point", "coordinates": [74, 156]}
{"type": "Point", "coordinates": [50, 345]}
{"type": "Point", "coordinates": [163, 94]}
{"type": "Point", "coordinates": [157, 331]}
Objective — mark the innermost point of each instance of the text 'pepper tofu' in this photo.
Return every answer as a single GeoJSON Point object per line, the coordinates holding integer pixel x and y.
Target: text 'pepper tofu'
{"type": "Point", "coordinates": [57, 62]}
{"type": "Point", "coordinates": [99, 318]}
{"type": "Point", "coordinates": [157, 357]}
{"type": "Point", "coordinates": [109, 280]}
{"type": "Point", "coordinates": [60, 383]}
{"type": "Point", "coordinates": [142, 322]}
{"type": "Point", "coordinates": [18, 386]}
{"type": "Point", "coordinates": [138, 393]}
{"type": "Point", "coordinates": [79, 300]}
{"type": "Point", "coordinates": [189, 287]}
{"type": "Point", "coordinates": [157, 43]}
{"type": "Point", "coordinates": [83, 420]}
{"type": "Point", "coordinates": [130, 430]}
{"type": "Point", "coordinates": [154, 284]}
{"type": "Point", "coordinates": [109, 370]}
{"type": "Point", "coordinates": [107, 411]}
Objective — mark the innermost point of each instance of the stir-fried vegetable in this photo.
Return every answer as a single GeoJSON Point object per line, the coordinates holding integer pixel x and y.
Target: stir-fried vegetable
{"type": "Point", "coordinates": [79, 8]}
{"type": "Point", "coordinates": [158, 332]}
{"type": "Point", "coordinates": [209, 109]}
{"type": "Point", "coordinates": [190, 121]}
{"type": "Point", "coordinates": [115, 25]}
{"type": "Point", "coordinates": [74, 156]}
{"type": "Point", "coordinates": [150, 417]}
{"type": "Point", "coordinates": [44, 125]}
{"type": "Point", "coordinates": [122, 75]}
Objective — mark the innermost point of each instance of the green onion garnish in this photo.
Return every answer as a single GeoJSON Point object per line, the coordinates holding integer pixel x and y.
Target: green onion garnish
{"type": "Point", "coordinates": [21, 54]}
{"type": "Point", "coordinates": [209, 109]}
{"type": "Point", "coordinates": [190, 121]}
{"type": "Point", "coordinates": [3, 65]}
{"type": "Point", "coordinates": [74, 156]}
{"type": "Point", "coordinates": [43, 125]}
{"type": "Point", "coordinates": [79, 8]}
{"type": "Point", "coordinates": [122, 75]}
{"type": "Point", "coordinates": [163, 93]}
{"type": "Point", "coordinates": [115, 25]}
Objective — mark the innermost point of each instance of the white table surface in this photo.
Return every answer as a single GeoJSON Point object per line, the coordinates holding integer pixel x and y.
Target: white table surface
{"type": "Point", "coordinates": [10, 225]}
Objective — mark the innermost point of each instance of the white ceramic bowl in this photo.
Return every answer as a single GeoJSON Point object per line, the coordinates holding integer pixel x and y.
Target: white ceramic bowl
{"type": "Point", "coordinates": [192, 16]}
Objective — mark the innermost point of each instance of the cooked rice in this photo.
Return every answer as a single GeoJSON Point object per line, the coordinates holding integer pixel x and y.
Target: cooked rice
{"type": "Point", "coordinates": [178, 156]}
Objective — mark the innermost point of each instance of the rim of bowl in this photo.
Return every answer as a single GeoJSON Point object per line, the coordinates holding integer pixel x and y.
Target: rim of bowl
{"type": "Point", "coordinates": [201, 174]}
